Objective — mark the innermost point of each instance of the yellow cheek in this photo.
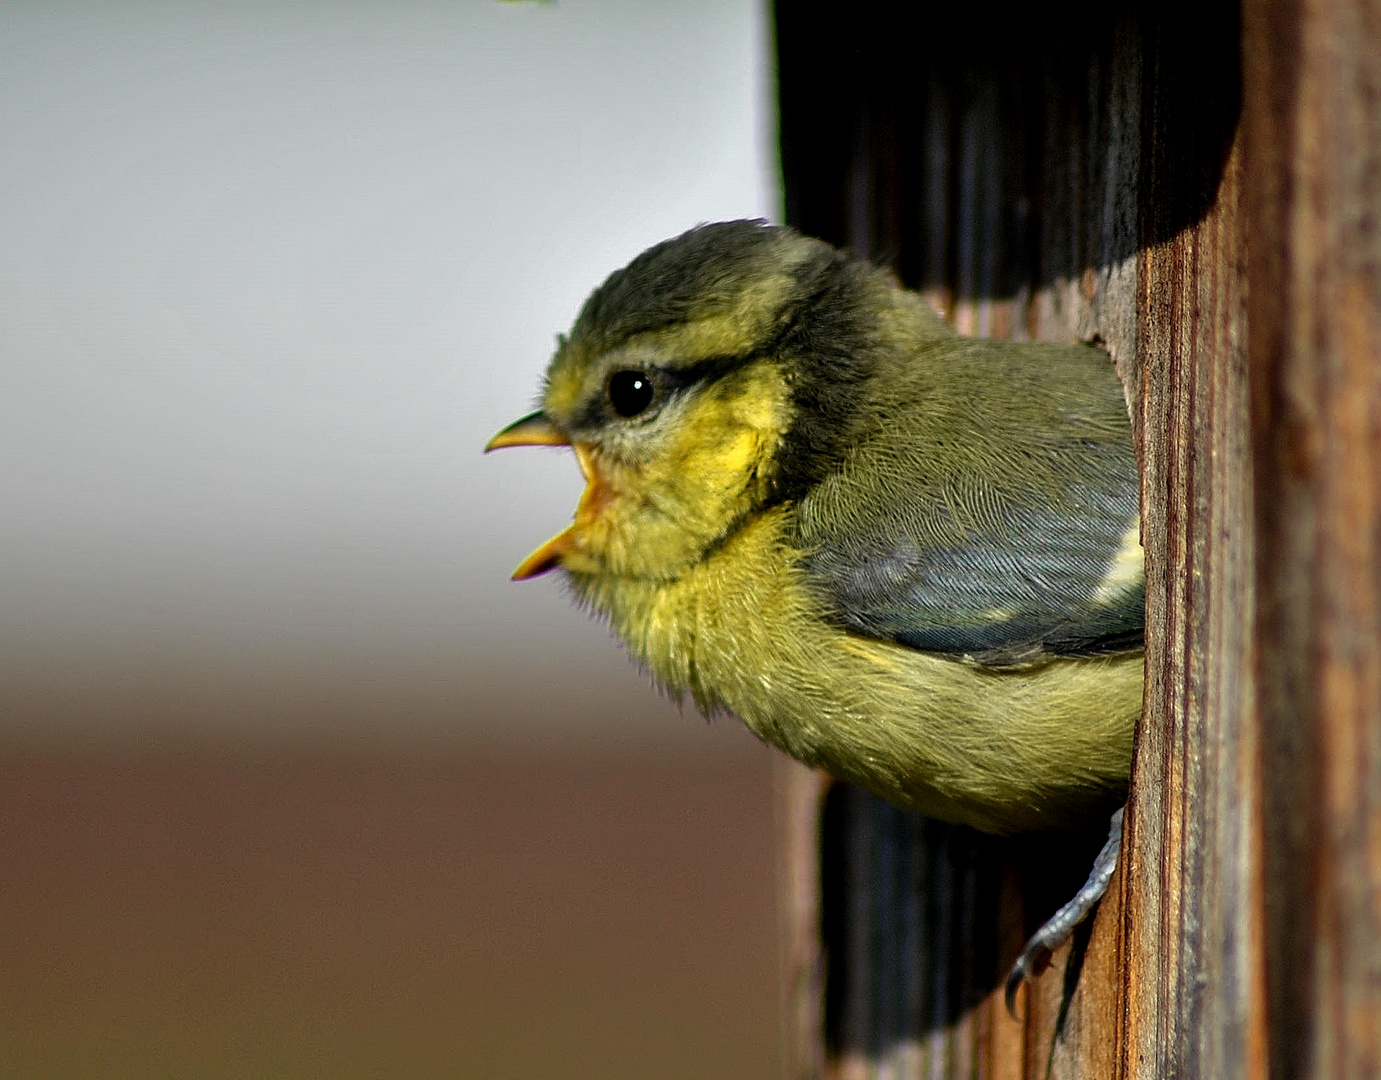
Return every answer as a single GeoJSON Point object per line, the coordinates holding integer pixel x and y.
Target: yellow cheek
{"type": "Point", "coordinates": [656, 519]}
{"type": "Point", "coordinates": [740, 455]}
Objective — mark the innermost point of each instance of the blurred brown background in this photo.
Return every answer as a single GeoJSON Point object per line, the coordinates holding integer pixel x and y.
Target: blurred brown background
{"type": "Point", "coordinates": [293, 781]}
{"type": "Point", "coordinates": [312, 911]}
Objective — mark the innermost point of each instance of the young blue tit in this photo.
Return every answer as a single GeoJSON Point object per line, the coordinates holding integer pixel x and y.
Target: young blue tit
{"type": "Point", "coordinates": [904, 556]}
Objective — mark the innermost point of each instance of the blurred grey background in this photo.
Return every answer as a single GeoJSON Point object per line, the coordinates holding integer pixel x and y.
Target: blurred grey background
{"type": "Point", "coordinates": [272, 274]}
{"type": "Point", "coordinates": [293, 780]}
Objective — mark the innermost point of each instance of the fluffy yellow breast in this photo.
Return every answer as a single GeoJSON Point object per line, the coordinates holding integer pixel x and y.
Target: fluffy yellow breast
{"type": "Point", "coordinates": [1043, 747]}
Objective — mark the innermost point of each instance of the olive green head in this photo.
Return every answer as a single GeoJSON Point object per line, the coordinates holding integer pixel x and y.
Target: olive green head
{"type": "Point", "coordinates": [711, 375]}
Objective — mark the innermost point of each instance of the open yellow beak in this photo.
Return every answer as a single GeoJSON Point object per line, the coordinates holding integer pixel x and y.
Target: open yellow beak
{"type": "Point", "coordinates": [538, 430]}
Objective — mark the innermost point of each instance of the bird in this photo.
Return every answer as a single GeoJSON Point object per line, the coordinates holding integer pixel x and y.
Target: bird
{"type": "Point", "coordinates": [905, 556]}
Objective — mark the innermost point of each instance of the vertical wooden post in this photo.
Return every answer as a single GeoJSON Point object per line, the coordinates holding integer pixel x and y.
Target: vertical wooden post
{"type": "Point", "coordinates": [1081, 172]}
{"type": "Point", "coordinates": [1191, 979]}
{"type": "Point", "coordinates": [1313, 205]}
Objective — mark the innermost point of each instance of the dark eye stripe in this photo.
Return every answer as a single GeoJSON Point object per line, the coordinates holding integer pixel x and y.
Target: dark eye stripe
{"type": "Point", "coordinates": [708, 370]}
{"type": "Point", "coordinates": [666, 383]}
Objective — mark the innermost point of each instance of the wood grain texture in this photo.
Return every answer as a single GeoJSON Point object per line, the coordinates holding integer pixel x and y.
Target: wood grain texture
{"type": "Point", "coordinates": [1002, 182]}
{"type": "Point", "coordinates": [1312, 134]}
{"type": "Point", "coordinates": [1201, 192]}
{"type": "Point", "coordinates": [799, 797]}
{"type": "Point", "coordinates": [1191, 977]}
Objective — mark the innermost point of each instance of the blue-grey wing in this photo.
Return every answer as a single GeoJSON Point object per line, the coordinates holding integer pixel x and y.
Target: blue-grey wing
{"type": "Point", "coordinates": [1000, 545]}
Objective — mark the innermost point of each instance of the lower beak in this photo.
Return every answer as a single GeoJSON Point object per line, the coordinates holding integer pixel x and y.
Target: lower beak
{"type": "Point", "coordinates": [538, 430]}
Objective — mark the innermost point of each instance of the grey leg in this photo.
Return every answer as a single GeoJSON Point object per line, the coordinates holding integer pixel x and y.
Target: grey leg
{"type": "Point", "coordinates": [1060, 925]}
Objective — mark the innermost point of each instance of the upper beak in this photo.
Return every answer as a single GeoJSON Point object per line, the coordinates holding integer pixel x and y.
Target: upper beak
{"type": "Point", "coordinates": [535, 429]}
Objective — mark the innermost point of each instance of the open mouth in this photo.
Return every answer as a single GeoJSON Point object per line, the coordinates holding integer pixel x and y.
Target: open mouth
{"type": "Point", "coordinates": [537, 429]}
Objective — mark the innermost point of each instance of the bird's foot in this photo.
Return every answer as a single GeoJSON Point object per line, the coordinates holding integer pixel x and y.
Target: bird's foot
{"type": "Point", "coordinates": [1060, 925]}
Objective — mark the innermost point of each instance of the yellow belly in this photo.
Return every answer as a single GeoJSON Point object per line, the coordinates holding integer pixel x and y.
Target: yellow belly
{"type": "Point", "coordinates": [1047, 746]}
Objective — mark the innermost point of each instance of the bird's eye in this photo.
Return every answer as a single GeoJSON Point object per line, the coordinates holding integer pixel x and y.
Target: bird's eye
{"type": "Point", "coordinates": [630, 392]}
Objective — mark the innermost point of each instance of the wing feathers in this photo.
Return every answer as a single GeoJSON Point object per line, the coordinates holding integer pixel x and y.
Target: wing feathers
{"type": "Point", "coordinates": [999, 526]}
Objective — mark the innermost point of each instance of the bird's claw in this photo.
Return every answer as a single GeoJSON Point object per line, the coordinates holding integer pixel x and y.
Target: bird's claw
{"type": "Point", "coordinates": [1060, 925]}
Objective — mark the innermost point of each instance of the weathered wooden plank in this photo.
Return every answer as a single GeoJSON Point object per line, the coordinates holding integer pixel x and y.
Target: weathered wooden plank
{"type": "Point", "coordinates": [800, 795]}
{"type": "Point", "coordinates": [1080, 174]}
{"type": "Point", "coordinates": [1313, 203]}
{"type": "Point", "coordinates": [1190, 918]}
{"type": "Point", "coordinates": [1191, 973]}
{"type": "Point", "coordinates": [1067, 177]}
